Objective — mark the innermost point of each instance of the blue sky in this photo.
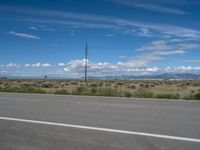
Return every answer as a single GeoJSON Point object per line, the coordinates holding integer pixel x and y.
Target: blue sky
{"type": "Point", "coordinates": [133, 37]}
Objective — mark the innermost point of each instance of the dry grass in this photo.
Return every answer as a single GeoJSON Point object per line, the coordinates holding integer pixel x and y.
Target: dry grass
{"type": "Point", "coordinates": [164, 89]}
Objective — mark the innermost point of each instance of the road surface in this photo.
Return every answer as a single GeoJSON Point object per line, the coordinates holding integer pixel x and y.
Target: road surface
{"type": "Point", "coordinates": [52, 122]}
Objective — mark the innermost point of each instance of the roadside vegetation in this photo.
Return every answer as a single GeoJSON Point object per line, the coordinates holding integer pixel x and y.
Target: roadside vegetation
{"type": "Point", "coordinates": [162, 89]}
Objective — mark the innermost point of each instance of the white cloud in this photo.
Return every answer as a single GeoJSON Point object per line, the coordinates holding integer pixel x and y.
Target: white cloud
{"type": "Point", "coordinates": [36, 65]}
{"type": "Point", "coordinates": [27, 65]}
{"type": "Point", "coordinates": [160, 8]}
{"type": "Point", "coordinates": [61, 64]}
{"type": "Point", "coordinates": [182, 39]}
{"type": "Point", "coordinates": [24, 35]}
{"type": "Point", "coordinates": [164, 29]}
{"type": "Point", "coordinates": [45, 65]}
{"type": "Point", "coordinates": [74, 24]}
{"type": "Point", "coordinates": [109, 35]}
{"type": "Point", "coordinates": [33, 28]}
{"type": "Point", "coordinates": [76, 20]}
{"type": "Point", "coordinates": [149, 6]}
{"type": "Point", "coordinates": [169, 52]}
{"type": "Point", "coordinates": [107, 68]}
{"type": "Point", "coordinates": [144, 32]}
{"type": "Point", "coordinates": [189, 46]}
{"type": "Point", "coordinates": [41, 65]}
{"type": "Point", "coordinates": [155, 46]}
{"type": "Point", "coordinates": [152, 69]}
{"type": "Point", "coordinates": [11, 73]}
{"type": "Point", "coordinates": [168, 45]}
{"type": "Point", "coordinates": [120, 68]}
{"type": "Point", "coordinates": [182, 69]}
{"type": "Point", "coordinates": [193, 60]}
{"type": "Point", "coordinates": [12, 65]}
{"type": "Point", "coordinates": [143, 60]}
{"type": "Point", "coordinates": [3, 72]}
{"type": "Point", "coordinates": [75, 68]}
{"type": "Point", "coordinates": [139, 31]}
{"type": "Point", "coordinates": [122, 57]}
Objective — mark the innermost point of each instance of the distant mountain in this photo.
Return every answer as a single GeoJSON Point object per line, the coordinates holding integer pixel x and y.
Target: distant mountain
{"type": "Point", "coordinates": [185, 76]}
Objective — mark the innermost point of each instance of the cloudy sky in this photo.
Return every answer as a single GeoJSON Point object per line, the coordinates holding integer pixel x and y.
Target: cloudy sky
{"type": "Point", "coordinates": [125, 37]}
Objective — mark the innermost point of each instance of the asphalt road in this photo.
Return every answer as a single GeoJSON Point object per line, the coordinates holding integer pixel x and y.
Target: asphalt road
{"type": "Point", "coordinates": [154, 117]}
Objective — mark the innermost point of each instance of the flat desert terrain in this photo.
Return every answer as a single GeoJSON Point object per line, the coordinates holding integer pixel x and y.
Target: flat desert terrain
{"type": "Point", "coordinates": [162, 89]}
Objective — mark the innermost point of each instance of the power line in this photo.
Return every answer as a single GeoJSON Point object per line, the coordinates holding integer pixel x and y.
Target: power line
{"type": "Point", "coordinates": [86, 61]}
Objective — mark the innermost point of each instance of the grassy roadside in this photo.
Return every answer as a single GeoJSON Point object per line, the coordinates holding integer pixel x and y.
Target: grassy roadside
{"type": "Point", "coordinates": [22, 90]}
{"type": "Point", "coordinates": [137, 89]}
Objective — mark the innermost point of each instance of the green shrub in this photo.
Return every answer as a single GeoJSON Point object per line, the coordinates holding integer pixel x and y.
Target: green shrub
{"type": "Point", "coordinates": [197, 96]}
{"type": "Point", "coordinates": [143, 94]}
{"type": "Point", "coordinates": [132, 86]}
{"type": "Point", "coordinates": [93, 85]}
{"type": "Point", "coordinates": [107, 92]}
{"type": "Point", "coordinates": [62, 92]}
{"type": "Point", "coordinates": [168, 96]}
{"type": "Point", "coordinates": [47, 85]}
{"type": "Point", "coordinates": [193, 97]}
{"type": "Point", "coordinates": [78, 90]}
{"type": "Point", "coordinates": [22, 90]}
{"type": "Point", "coordinates": [93, 91]}
{"type": "Point", "coordinates": [74, 83]}
{"type": "Point", "coordinates": [120, 83]}
{"type": "Point", "coordinates": [128, 94]}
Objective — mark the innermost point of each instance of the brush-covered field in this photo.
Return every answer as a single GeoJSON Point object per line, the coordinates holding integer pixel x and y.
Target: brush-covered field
{"type": "Point", "coordinates": [162, 89]}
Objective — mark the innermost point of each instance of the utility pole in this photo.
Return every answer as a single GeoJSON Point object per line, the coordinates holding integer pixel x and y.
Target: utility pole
{"type": "Point", "coordinates": [86, 61]}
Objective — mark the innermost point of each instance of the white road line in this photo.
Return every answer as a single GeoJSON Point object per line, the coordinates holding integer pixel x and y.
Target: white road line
{"type": "Point", "coordinates": [103, 129]}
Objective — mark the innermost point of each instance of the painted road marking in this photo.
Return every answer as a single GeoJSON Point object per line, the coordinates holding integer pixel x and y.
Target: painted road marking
{"type": "Point", "coordinates": [103, 129]}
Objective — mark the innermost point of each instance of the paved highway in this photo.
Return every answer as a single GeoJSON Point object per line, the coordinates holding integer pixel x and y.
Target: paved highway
{"type": "Point", "coordinates": [51, 122]}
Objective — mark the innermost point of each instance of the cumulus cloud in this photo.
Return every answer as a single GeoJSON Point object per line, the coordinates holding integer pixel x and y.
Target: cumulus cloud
{"type": "Point", "coordinates": [12, 65]}
{"type": "Point", "coordinates": [182, 69]}
{"type": "Point", "coordinates": [27, 65]}
{"type": "Point", "coordinates": [123, 68]}
{"type": "Point", "coordinates": [36, 65]}
{"type": "Point", "coordinates": [45, 65]}
{"type": "Point", "coordinates": [61, 64]}
{"type": "Point", "coordinates": [107, 68]}
{"type": "Point", "coordinates": [41, 65]}
{"type": "Point", "coordinates": [131, 67]}
{"type": "Point", "coordinates": [24, 35]}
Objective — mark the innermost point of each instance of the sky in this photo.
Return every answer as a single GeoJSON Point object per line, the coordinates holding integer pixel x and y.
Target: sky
{"type": "Point", "coordinates": [125, 37]}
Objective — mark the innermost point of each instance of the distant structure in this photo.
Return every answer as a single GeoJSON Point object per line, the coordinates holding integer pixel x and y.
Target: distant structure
{"type": "Point", "coordinates": [45, 77]}
{"type": "Point", "coordinates": [86, 61]}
